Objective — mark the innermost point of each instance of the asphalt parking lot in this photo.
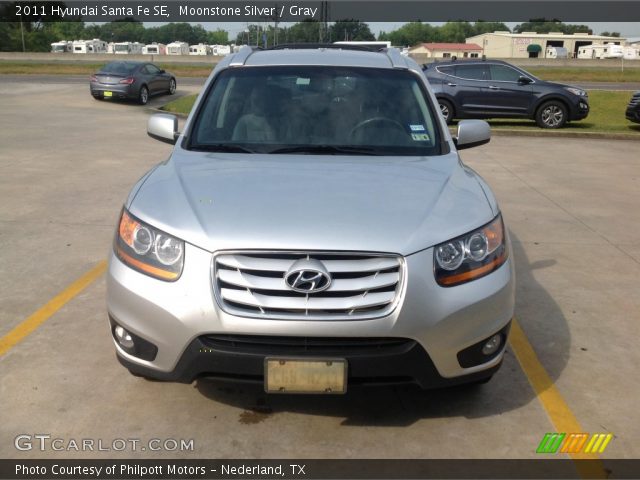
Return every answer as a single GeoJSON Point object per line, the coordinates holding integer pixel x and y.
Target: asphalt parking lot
{"type": "Point", "coordinates": [67, 163]}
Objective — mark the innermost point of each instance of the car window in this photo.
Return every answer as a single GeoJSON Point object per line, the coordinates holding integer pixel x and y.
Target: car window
{"type": "Point", "coordinates": [446, 70]}
{"type": "Point", "coordinates": [472, 72]}
{"type": "Point", "coordinates": [121, 68]}
{"type": "Point", "coordinates": [267, 109]}
{"type": "Point", "coordinates": [152, 69]}
{"type": "Point", "coordinates": [504, 73]}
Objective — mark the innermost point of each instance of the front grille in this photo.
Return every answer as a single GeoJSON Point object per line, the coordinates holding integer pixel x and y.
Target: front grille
{"type": "Point", "coordinates": [252, 284]}
{"type": "Point", "coordinates": [267, 345]}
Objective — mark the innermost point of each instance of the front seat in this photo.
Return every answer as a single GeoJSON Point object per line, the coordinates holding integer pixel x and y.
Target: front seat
{"type": "Point", "coordinates": [254, 127]}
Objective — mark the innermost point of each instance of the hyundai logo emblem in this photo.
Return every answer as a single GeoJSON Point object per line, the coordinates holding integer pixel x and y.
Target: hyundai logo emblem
{"type": "Point", "coordinates": [307, 275]}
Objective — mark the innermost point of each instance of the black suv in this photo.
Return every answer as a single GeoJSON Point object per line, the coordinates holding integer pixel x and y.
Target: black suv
{"type": "Point", "coordinates": [492, 88]}
{"type": "Point", "coordinates": [633, 109]}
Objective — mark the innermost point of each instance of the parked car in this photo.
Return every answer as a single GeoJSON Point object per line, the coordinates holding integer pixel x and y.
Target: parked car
{"type": "Point", "coordinates": [496, 89]}
{"type": "Point", "coordinates": [313, 228]}
{"type": "Point", "coordinates": [131, 80]}
{"type": "Point", "coordinates": [633, 109]}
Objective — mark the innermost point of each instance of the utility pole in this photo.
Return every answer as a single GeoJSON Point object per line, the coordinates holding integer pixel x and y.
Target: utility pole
{"type": "Point", "coordinates": [22, 35]}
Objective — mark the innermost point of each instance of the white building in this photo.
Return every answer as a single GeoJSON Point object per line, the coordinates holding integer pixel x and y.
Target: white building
{"type": "Point", "coordinates": [534, 45]}
{"type": "Point", "coordinates": [154, 49]}
{"type": "Point", "coordinates": [178, 48]}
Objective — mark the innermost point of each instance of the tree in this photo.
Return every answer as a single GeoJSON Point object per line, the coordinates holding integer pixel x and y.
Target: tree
{"type": "Point", "coordinates": [541, 25]}
{"type": "Point", "coordinates": [350, 30]}
{"type": "Point", "coordinates": [610, 34]}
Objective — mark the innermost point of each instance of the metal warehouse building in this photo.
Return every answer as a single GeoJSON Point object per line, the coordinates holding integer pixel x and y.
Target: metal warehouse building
{"type": "Point", "coordinates": [534, 45]}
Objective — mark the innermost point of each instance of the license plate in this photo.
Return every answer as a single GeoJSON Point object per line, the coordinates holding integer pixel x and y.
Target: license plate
{"type": "Point", "coordinates": [294, 375]}
{"type": "Point", "coordinates": [108, 94]}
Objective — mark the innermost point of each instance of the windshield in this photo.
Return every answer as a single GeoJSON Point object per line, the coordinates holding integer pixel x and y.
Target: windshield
{"type": "Point", "coordinates": [122, 48]}
{"type": "Point", "coordinates": [119, 68]}
{"type": "Point", "coordinates": [322, 110]}
{"type": "Point", "coordinates": [59, 48]}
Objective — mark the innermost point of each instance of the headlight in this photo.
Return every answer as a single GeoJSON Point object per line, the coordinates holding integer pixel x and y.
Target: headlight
{"type": "Point", "coordinates": [576, 91]}
{"type": "Point", "coordinates": [148, 250]}
{"type": "Point", "coordinates": [470, 256]}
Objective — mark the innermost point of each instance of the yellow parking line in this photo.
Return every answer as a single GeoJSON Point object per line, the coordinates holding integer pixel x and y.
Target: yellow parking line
{"type": "Point", "coordinates": [21, 331]}
{"type": "Point", "coordinates": [556, 407]}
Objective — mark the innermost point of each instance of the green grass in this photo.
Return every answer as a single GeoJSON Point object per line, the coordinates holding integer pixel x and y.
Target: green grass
{"type": "Point", "coordinates": [579, 74]}
{"type": "Point", "coordinates": [606, 116]}
{"type": "Point", "coordinates": [182, 105]}
{"type": "Point", "coordinates": [60, 68]}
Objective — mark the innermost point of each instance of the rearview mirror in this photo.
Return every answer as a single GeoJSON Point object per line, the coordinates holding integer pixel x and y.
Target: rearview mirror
{"type": "Point", "coordinates": [163, 127]}
{"type": "Point", "coordinates": [472, 133]}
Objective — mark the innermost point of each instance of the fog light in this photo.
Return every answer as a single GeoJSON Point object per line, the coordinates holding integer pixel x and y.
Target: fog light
{"type": "Point", "coordinates": [123, 337]}
{"type": "Point", "coordinates": [492, 344]}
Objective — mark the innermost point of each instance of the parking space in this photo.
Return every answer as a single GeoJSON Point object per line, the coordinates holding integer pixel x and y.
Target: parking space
{"type": "Point", "coordinates": [67, 163]}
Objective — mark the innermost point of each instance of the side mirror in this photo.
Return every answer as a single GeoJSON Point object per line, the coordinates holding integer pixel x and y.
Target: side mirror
{"type": "Point", "coordinates": [524, 80]}
{"type": "Point", "coordinates": [163, 127]}
{"type": "Point", "coordinates": [163, 71]}
{"type": "Point", "coordinates": [472, 133]}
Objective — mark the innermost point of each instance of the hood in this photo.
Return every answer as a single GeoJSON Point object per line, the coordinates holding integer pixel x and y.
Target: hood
{"type": "Point", "coordinates": [310, 202]}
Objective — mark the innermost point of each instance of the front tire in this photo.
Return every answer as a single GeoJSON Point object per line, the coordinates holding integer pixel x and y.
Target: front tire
{"type": "Point", "coordinates": [143, 95]}
{"type": "Point", "coordinates": [552, 114]}
{"type": "Point", "coordinates": [446, 108]}
{"type": "Point", "coordinates": [172, 86]}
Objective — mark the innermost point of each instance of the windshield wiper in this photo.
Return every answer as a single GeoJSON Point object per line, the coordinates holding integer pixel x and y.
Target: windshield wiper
{"type": "Point", "coordinates": [221, 147]}
{"type": "Point", "coordinates": [327, 149]}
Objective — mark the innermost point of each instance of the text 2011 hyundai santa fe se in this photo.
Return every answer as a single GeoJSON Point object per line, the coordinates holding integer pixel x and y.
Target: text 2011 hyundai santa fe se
{"type": "Point", "coordinates": [314, 228]}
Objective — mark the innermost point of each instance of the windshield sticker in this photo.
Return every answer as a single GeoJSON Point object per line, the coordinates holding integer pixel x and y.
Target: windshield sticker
{"type": "Point", "coordinates": [303, 81]}
{"type": "Point", "coordinates": [417, 128]}
{"type": "Point", "coordinates": [420, 137]}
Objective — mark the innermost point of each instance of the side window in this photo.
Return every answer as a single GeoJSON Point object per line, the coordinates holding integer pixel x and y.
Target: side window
{"type": "Point", "coordinates": [472, 72]}
{"type": "Point", "coordinates": [151, 69]}
{"type": "Point", "coordinates": [504, 73]}
{"type": "Point", "coordinates": [446, 70]}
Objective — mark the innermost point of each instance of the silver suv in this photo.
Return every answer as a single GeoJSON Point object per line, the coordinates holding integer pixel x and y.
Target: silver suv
{"type": "Point", "coordinates": [314, 228]}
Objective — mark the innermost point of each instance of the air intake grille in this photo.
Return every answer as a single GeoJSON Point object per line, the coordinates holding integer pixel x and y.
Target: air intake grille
{"type": "Point", "coordinates": [253, 284]}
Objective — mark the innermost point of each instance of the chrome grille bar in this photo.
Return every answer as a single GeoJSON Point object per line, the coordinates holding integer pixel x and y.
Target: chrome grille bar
{"type": "Point", "coordinates": [253, 284]}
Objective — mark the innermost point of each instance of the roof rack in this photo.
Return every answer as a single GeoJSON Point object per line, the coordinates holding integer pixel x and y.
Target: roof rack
{"type": "Point", "coordinates": [335, 46]}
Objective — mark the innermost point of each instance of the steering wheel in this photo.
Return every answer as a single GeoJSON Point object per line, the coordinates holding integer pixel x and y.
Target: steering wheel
{"type": "Point", "coordinates": [376, 120]}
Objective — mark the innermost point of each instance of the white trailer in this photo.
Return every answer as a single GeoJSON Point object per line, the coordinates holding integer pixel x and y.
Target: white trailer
{"type": "Point", "coordinates": [154, 49]}
{"type": "Point", "coordinates": [630, 53]}
{"type": "Point", "coordinates": [81, 46]}
{"type": "Point", "coordinates": [63, 46]}
{"type": "Point", "coordinates": [556, 52]}
{"type": "Point", "coordinates": [200, 49]}
{"type": "Point", "coordinates": [178, 48]}
{"type": "Point", "coordinates": [600, 51]}
{"type": "Point", "coordinates": [220, 50]}
{"type": "Point", "coordinates": [97, 46]}
{"type": "Point", "coordinates": [127, 48]}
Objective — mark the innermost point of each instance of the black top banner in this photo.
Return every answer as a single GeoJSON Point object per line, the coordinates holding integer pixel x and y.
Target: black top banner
{"type": "Point", "coordinates": [330, 11]}
{"type": "Point", "coordinates": [317, 469]}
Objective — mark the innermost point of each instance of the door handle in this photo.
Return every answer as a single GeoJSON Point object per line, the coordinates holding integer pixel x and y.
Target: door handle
{"type": "Point", "coordinates": [493, 87]}
{"type": "Point", "coordinates": [452, 84]}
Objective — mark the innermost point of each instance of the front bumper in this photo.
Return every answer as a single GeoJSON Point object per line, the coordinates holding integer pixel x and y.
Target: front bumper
{"type": "Point", "coordinates": [580, 110]}
{"type": "Point", "coordinates": [431, 325]}
{"type": "Point", "coordinates": [633, 114]}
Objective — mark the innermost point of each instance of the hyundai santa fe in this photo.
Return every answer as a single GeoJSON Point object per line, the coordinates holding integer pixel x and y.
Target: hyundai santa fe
{"type": "Point", "coordinates": [314, 228]}
{"type": "Point", "coordinates": [496, 89]}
